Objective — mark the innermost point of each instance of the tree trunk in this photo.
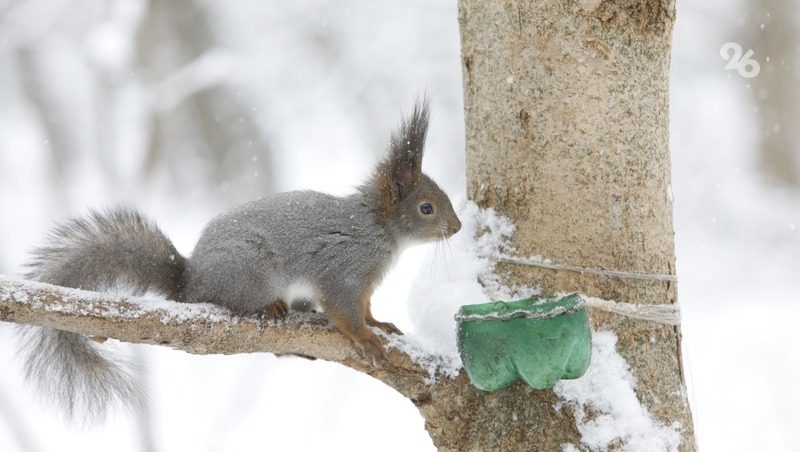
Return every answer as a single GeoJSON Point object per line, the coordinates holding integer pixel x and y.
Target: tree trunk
{"type": "Point", "coordinates": [567, 134]}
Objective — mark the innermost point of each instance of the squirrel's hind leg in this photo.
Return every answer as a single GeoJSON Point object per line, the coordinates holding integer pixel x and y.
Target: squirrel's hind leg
{"type": "Point", "coordinates": [277, 310]}
{"type": "Point", "coordinates": [242, 282]}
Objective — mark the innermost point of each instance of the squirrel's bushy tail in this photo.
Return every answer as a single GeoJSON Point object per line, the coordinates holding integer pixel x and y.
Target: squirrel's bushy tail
{"type": "Point", "coordinates": [102, 251]}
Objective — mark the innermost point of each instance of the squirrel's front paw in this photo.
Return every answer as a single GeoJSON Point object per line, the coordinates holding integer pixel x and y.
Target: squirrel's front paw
{"type": "Point", "coordinates": [371, 348]}
{"type": "Point", "coordinates": [385, 326]}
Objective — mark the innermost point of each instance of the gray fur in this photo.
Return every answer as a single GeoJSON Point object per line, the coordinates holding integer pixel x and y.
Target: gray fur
{"type": "Point", "coordinates": [299, 248]}
{"type": "Point", "coordinates": [80, 252]}
{"type": "Point", "coordinates": [70, 370]}
{"type": "Point", "coordinates": [98, 252]}
{"type": "Point", "coordinates": [275, 245]}
{"type": "Point", "coordinates": [407, 147]}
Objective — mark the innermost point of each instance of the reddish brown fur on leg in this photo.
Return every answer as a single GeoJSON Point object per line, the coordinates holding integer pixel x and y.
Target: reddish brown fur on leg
{"type": "Point", "coordinates": [365, 340]}
{"type": "Point", "coordinates": [385, 326]}
{"type": "Point", "coordinates": [276, 310]}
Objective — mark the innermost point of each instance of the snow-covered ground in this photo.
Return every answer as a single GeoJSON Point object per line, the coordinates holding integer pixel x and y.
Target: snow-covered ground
{"type": "Point", "coordinates": [737, 242]}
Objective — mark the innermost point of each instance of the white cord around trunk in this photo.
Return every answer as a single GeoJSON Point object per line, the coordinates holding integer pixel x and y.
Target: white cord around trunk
{"type": "Point", "coordinates": [665, 314]}
{"type": "Point", "coordinates": [592, 271]}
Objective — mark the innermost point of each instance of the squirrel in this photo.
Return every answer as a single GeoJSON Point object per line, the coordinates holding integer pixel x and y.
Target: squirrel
{"type": "Point", "coordinates": [253, 259]}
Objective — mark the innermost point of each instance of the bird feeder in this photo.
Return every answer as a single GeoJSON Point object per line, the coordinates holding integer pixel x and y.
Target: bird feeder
{"type": "Point", "coordinates": [537, 340]}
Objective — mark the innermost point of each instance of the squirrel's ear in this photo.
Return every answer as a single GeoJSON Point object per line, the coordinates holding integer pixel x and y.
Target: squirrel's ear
{"type": "Point", "coordinates": [407, 148]}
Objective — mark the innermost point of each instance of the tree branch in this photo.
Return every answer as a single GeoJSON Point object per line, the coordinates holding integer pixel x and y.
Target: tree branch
{"type": "Point", "coordinates": [194, 328]}
{"type": "Point", "coordinates": [457, 416]}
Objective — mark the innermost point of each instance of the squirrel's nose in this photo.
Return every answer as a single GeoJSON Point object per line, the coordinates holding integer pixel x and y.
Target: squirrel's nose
{"type": "Point", "coordinates": [455, 227]}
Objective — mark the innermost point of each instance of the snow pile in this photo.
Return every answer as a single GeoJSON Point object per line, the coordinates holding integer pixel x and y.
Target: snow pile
{"type": "Point", "coordinates": [607, 411]}
{"type": "Point", "coordinates": [451, 276]}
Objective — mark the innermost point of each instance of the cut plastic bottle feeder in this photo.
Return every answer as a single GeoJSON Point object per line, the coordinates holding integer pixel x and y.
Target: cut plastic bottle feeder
{"type": "Point", "coordinates": [537, 340]}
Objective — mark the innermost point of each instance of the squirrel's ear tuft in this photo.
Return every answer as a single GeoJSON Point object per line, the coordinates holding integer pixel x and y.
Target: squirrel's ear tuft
{"type": "Point", "coordinates": [407, 147]}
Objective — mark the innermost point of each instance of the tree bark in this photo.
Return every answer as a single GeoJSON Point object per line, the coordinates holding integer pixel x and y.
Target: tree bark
{"type": "Point", "coordinates": [567, 134]}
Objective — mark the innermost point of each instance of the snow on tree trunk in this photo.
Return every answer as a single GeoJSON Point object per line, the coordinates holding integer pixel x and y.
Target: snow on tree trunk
{"type": "Point", "coordinates": [567, 134]}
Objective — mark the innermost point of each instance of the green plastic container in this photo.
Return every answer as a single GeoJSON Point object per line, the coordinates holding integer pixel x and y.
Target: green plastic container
{"type": "Point", "coordinates": [540, 341]}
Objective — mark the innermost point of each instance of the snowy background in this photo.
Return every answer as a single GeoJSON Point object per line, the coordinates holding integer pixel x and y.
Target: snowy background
{"type": "Point", "coordinates": [127, 101]}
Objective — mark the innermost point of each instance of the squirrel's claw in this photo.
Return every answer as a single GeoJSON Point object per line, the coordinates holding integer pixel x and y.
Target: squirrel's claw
{"type": "Point", "coordinates": [371, 348]}
{"type": "Point", "coordinates": [277, 310]}
{"type": "Point", "coordinates": [385, 327]}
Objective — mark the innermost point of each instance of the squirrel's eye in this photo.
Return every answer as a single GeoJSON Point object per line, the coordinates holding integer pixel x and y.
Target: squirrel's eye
{"type": "Point", "coordinates": [426, 208]}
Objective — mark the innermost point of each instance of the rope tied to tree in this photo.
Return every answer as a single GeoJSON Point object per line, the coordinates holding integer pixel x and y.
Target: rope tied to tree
{"type": "Point", "coordinates": [544, 263]}
{"type": "Point", "coordinates": [665, 314]}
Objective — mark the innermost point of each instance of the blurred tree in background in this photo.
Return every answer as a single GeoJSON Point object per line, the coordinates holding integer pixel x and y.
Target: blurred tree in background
{"type": "Point", "coordinates": [187, 107]}
{"type": "Point", "coordinates": [199, 114]}
{"type": "Point", "coordinates": [142, 85]}
{"type": "Point", "coordinates": [773, 28]}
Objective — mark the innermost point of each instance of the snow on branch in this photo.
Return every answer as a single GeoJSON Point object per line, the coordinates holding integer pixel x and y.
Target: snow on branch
{"type": "Point", "coordinates": [193, 328]}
